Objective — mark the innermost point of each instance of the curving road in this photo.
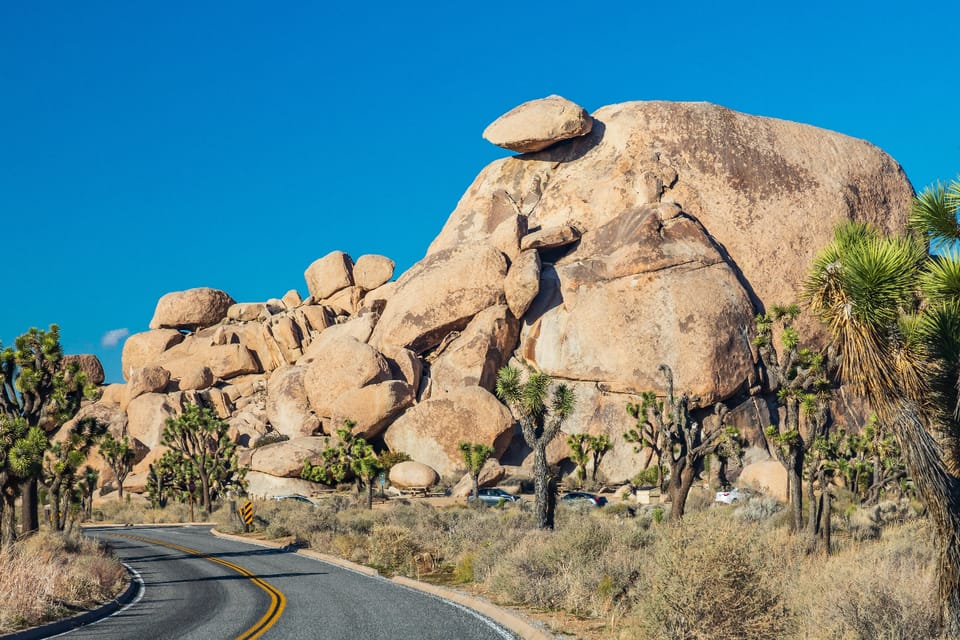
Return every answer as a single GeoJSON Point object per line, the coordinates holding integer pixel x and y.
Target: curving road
{"type": "Point", "coordinates": [200, 587]}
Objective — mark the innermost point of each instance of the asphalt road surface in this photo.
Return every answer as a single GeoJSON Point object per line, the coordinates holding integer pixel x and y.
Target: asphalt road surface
{"type": "Point", "coordinates": [200, 587]}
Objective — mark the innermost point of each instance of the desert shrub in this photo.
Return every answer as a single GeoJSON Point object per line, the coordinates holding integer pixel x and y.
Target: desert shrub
{"type": "Point", "coordinates": [758, 508]}
{"type": "Point", "coordinates": [47, 574]}
{"type": "Point", "coordinates": [388, 459]}
{"type": "Point", "coordinates": [698, 500]}
{"type": "Point", "coordinates": [713, 578]}
{"type": "Point", "coordinates": [884, 590]}
{"type": "Point", "coordinates": [138, 511]}
{"type": "Point", "coordinates": [393, 549]}
{"type": "Point", "coordinates": [585, 566]}
{"type": "Point", "coordinates": [270, 437]}
{"type": "Point", "coordinates": [863, 523]}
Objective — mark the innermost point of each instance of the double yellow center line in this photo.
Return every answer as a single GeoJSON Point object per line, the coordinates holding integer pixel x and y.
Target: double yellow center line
{"type": "Point", "coordinates": [277, 600]}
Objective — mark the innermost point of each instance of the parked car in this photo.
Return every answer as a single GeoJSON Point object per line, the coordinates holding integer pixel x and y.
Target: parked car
{"type": "Point", "coordinates": [730, 496]}
{"type": "Point", "coordinates": [494, 496]}
{"type": "Point", "coordinates": [582, 498]}
{"type": "Point", "coordinates": [295, 497]}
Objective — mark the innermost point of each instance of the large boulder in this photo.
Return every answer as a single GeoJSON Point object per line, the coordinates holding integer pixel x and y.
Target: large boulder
{"type": "Point", "coordinates": [737, 174]}
{"type": "Point", "coordinates": [288, 409]}
{"type": "Point", "coordinates": [285, 459]}
{"type": "Point", "coordinates": [412, 474]}
{"type": "Point", "coordinates": [224, 361]}
{"type": "Point", "coordinates": [343, 363]}
{"type": "Point", "coordinates": [144, 349]}
{"type": "Point", "coordinates": [440, 294]}
{"type": "Point", "coordinates": [89, 364]}
{"type": "Point", "coordinates": [430, 432]}
{"type": "Point", "coordinates": [684, 236]}
{"type": "Point", "coordinates": [473, 358]}
{"type": "Point", "coordinates": [144, 380]}
{"type": "Point", "coordinates": [372, 271]}
{"type": "Point", "coordinates": [329, 274]}
{"type": "Point", "coordinates": [523, 282]}
{"type": "Point", "coordinates": [538, 124]}
{"type": "Point", "coordinates": [655, 290]}
{"type": "Point", "coordinates": [767, 476]}
{"type": "Point", "coordinates": [370, 408]}
{"type": "Point", "coordinates": [264, 485]}
{"type": "Point", "coordinates": [147, 415]}
{"type": "Point", "coordinates": [191, 309]}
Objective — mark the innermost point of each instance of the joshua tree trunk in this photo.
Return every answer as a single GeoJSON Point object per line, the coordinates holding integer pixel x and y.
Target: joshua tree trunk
{"type": "Point", "coordinates": [825, 520]}
{"type": "Point", "coordinates": [941, 493]}
{"type": "Point", "coordinates": [541, 489]}
{"type": "Point", "coordinates": [30, 519]}
{"type": "Point", "coordinates": [370, 493]}
{"type": "Point", "coordinates": [8, 526]}
{"type": "Point", "coordinates": [795, 479]}
{"type": "Point", "coordinates": [681, 480]}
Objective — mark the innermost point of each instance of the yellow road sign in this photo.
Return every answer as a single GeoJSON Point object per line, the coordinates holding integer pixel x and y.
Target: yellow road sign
{"type": "Point", "coordinates": [246, 513]}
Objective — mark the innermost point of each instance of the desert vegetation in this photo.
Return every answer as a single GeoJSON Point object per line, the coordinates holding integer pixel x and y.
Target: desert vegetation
{"type": "Point", "coordinates": [50, 575]}
{"type": "Point", "coordinates": [721, 572]}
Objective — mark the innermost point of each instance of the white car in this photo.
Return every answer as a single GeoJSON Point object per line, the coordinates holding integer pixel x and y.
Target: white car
{"type": "Point", "coordinates": [731, 496]}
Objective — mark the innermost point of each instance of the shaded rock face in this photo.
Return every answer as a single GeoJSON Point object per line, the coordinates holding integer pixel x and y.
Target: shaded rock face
{"type": "Point", "coordinates": [89, 364]}
{"type": "Point", "coordinates": [653, 235]}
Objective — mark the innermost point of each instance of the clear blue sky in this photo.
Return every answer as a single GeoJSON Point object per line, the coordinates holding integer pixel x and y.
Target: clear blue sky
{"type": "Point", "coordinates": [148, 147]}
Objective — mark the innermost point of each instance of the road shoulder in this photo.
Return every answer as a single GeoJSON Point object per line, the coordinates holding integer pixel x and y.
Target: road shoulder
{"type": "Point", "coordinates": [508, 619]}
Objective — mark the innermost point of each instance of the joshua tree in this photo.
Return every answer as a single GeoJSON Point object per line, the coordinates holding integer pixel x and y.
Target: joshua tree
{"type": "Point", "coordinates": [475, 455]}
{"type": "Point", "coordinates": [901, 351]}
{"type": "Point", "coordinates": [683, 442]}
{"type": "Point", "coordinates": [119, 455]}
{"type": "Point", "coordinates": [21, 454]}
{"type": "Point", "coordinates": [201, 439]}
{"type": "Point", "coordinates": [800, 381]}
{"type": "Point", "coordinates": [62, 464]}
{"type": "Point", "coordinates": [87, 485]}
{"type": "Point", "coordinates": [350, 454]}
{"type": "Point", "coordinates": [579, 454]}
{"type": "Point", "coordinates": [598, 447]}
{"type": "Point", "coordinates": [541, 408]}
{"type": "Point", "coordinates": [37, 389]}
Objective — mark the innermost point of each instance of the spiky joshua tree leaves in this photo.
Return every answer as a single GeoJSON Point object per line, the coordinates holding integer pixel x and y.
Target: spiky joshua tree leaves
{"type": "Point", "coordinates": [683, 443]}
{"type": "Point", "coordinates": [586, 448]}
{"type": "Point", "coordinates": [347, 455]}
{"type": "Point", "coordinates": [61, 466]}
{"type": "Point", "coordinates": [475, 455]}
{"type": "Point", "coordinates": [800, 378]}
{"type": "Point", "coordinates": [39, 391]}
{"type": "Point", "coordinates": [894, 312]}
{"type": "Point", "coordinates": [200, 440]}
{"type": "Point", "coordinates": [541, 407]}
{"type": "Point", "coordinates": [119, 456]}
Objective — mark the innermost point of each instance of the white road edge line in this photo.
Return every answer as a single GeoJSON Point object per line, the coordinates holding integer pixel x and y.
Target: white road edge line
{"type": "Point", "coordinates": [140, 591]}
{"type": "Point", "coordinates": [503, 633]}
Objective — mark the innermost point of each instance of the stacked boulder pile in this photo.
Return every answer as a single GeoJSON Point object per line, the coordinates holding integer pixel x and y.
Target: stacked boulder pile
{"type": "Point", "coordinates": [645, 233]}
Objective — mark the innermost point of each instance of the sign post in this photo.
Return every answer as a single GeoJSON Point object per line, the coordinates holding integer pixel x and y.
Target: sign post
{"type": "Point", "coordinates": [246, 514]}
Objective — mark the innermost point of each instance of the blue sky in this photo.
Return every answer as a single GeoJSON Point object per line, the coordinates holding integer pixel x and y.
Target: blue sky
{"type": "Point", "coordinates": [151, 147]}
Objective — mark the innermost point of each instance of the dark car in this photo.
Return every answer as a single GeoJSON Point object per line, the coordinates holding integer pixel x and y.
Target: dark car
{"type": "Point", "coordinates": [492, 497]}
{"type": "Point", "coordinates": [584, 499]}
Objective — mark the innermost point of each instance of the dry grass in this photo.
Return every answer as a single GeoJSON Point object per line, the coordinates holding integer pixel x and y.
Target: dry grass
{"type": "Point", "coordinates": [723, 573]}
{"type": "Point", "coordinates": [50, 575]}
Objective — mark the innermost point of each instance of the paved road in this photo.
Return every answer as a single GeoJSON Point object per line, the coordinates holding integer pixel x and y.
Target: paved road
{"type": "Point", "coordinates": [236, 590]}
